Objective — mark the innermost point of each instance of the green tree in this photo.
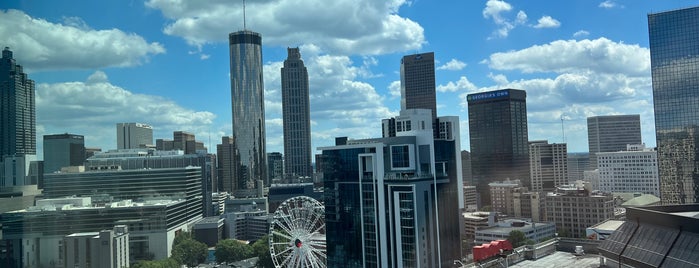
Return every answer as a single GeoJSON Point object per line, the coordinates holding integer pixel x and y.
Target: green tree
{"type": "Point", "coordinates": [182, 237]}
{"type": "Point", "coordinates": [232, 250]}
{"type": "Point", "coordinates": [166, 263]}
{"type": "Point", "coordinates": [190, 252]}
{"type": "Point", "coordinates": [261, 250]}
{"type": "Point", "coordinates": [517, 238]}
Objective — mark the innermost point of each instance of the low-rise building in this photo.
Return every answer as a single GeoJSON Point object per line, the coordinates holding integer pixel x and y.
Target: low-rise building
{"type": "Point", "coordinates": [208, 230]}
{"type": "Point", "coordinates": [536, 231]}
{"type": "Point", "coordinates": [573, 208]}
{"type": "Point", "coordinates": [603, 229]}
{"type": "Point", "coordinates": [103, 249]}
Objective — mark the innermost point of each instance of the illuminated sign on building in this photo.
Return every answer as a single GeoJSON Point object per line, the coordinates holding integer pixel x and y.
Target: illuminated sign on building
{"type": "Point", "coordinates": [488, 95]}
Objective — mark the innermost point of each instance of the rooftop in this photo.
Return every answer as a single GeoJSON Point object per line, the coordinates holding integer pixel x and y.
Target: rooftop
{"type": "Point", "coordinates": [561, 259]}
{"type": "Point", "coordinates": [608, 225]}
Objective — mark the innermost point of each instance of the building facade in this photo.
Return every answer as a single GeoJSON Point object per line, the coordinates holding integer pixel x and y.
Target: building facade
{"type": "Point", "coordinates": [395, 201]}
{"type": "Point", "coordinates": [629, 171]}
{"type": "Point", "coordinates": [63, 150]}
{"type": "Point", "coordinates": [417, 82]}
{"type": "Point", "coordinates": [611, 133]}
{"type": "Point", "coordinates": [106, 248]}
{"type": "Point", "coordinates": [275, 167]}
{"type": "Point", "coordinates": [674, 58]}
{"type": "Point", "coordinates": [573, 208]}
{"type": "Point", "coordinates": [548, 165]}
{"type": "Point", "coordinates": [17, 109]}
{"type": "Point", "coordinates": [502, 195]}
{"type": "Point", "coordinates": [536, 231]}
{"type": "Point", "coordinates": [248, 106]}
{"type": "Point", "coordinates": [133, 135]}
{"type": "Point", "coordinates": [296, 112]}
{"type": "Point", "coordinates": [578, 163]}
{"type": "Point", "coordinates": [499, 139]}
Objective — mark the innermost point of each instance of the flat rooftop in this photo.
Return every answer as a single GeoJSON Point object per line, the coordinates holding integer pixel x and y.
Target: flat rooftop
{"type": "Point", "coordinates": [608, 225]}
{"type": "Point", "coordinates": [561, 259]}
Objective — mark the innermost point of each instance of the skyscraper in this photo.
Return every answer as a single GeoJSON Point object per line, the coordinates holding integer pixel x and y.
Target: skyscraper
{"type": "Point", "coordinates": [226, 158]}
{"type": "Point", "coordinates": [417, 82]}
{"type": "Point", "coordinates": [297, 119]}
{"type": "Point", "coordinates": [63, 150]}
{"type": "Point", "coordinates": [133, 135]}
{"type": "Point", "coordinates": [548, 165]}
{"type": "Point", "coordinates": [248, 106]}
{"type": "Point", "coordinates": [499, 140]}
{"type": "Point", "coordinates": [611, 133]}
{"type": "Point", "coordinates": [17, 109]}
{"type": "Point", "coordinates": [674, 57]}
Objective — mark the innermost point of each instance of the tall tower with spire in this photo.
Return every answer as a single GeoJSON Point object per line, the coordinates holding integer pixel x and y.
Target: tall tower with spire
{"type": "Point", "coordinates": [248, 107]}
{"type": "Point", "coordinates": [296, 114]}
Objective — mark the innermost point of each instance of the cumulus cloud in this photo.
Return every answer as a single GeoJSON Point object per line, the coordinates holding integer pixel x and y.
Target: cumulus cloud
{"type": "Point", "coordinates": [600, 55]}
{"type": "Point", "coordinates": [460, 85]}
{"type": "Point", "coordinates": [43, 45]}
{"type": "Point", "coordinates": [346, 27]}
{"type": "Point", "coordinates": [452, 65]}
{"type": "Point", "coordinates": [609, 4]}
{"type": "Point", "coordinates": [581, 33]}
{"type": "Point", "coordinates": [547, 22]}
{"type": "Point", "coordinates": [394, 89]}
{"type": "Point", "coordinates": [93, 107]}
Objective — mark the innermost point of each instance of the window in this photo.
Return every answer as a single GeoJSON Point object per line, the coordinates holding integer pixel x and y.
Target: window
{"type": "Point", "coordinates": [400, 156]}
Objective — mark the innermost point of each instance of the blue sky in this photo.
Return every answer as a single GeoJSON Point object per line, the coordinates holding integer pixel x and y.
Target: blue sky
{"type": "Point", "coordinates": [165, 62]}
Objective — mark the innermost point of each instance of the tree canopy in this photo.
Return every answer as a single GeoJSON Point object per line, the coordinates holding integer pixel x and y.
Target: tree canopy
{"type": "Point", "coordinates": [229, 250]}
{"type": "Point", "coordinates": [190, 252]}
{"type": "Point", "coordinates": [517, 238]}
{"type": "Point", "coordinates": [261, 250]}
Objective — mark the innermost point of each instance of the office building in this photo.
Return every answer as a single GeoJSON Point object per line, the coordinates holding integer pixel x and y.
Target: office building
{"type": "Point", "coordinates": [474, 221]}
{"type": "Point", "coordinates": [548, 165]}
{"type": "Point", "coordinates": [296, 113]}
{"type": "Point", "coordinates": [246, 219]}
{"type": "Point", "coordinates": [499, 139]}
{"type": "Point", "coordinates": [395, 201]}
{"type": "Point", "coordinates": [134, 135]}
{"type": "Point", "coordinates": [657, 236]}
{"type": "Point", "coordinates": [611, 133]}
{"type": "Point", "coordinates": [32, 237]}
{"type": "Point", "coordinates": [629, 171]}
{"type": "Point", "coordinates": [209, 230]}
{"type": "Point", "coordinates": [529, 205]}
{"type": "Point", "coordinates": [578, 163]}
{"type": "Point", "coordinates": [106, 248]}
{"type": "Point", "coordinates": [17, 109]}
{"type": "Point", "coordinates": [466, 167]}
{"type": "Point", "coordinates": [417, 82]}
{"type": "Point", "coordinates": [470, 198]}
{"type": "Point", "coordinates": [248, 106]}
{"type": "Point", "coordinates": [275, 169]}
{"type": "Point", "coordinates": [63, 150]}
{"type": "Point", "coordinates": [502, 193]}
{"type": "Point", "coordinates": [278, 193]}
{"type": "Point", "coordinates": [183, 141]}
{"type": "Point", "coordinates": [226, 160]}
{"type": "Point", "coordinates": [574, 208]}
{"type": "Point", "coordinates": [535, 231]}
{"type": "Point", "coordinates": [673, 39]}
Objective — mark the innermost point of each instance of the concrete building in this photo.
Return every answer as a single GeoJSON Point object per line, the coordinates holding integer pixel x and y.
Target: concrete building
{"type": "Point", "coordinates": [499, 138]}
{"type": "Point", "coordinates": [632, 170]}
{"type": "Point", "coordinates": [63, 150]}
{"type": "Point", "coordinates": [246, 219]}
{"type": "Point", "coordinates": [183, 141]}
{"type": "Point", "coordinates": [474, 221]}
{"type": "Point", "coordinates": [208, 230]}
{"type": "Point", "coordinates": [417, 82]}
{"type": "Point", "coordinates": [611, 133]}
{"type": "Point", "coordinates": [548, 165]}
{"type": "Point", "coordinates": [578, 163]}
{"type": "Point", "coordinates": [296, 113]}
{"type": "Point", "coordinates": [106, 248]}
{"type": "Point", "coordinates": [17, 109]}
{"type": "Point", "coordinates": [674, 65]}
{"type": "Point", "coordinates": [602, 230]}
{"type": "Point", "coordinates": [32, 237]}
{"type": "Point", "coordinates": [133, 135]}
{"type": "Point", "coordinates": [529, 205]}
{"type": "Point", "coordinates": [466, 167]}
{"type": "Point", "coordinates": [248, 107]}
{"type": "Point", "coordinates": [502, 195]}
{"type": "Point", "coordinates": [573, 208]}
{"type": "Point", "coordinates": [536, 231]}
{"type": "Point", "coordinates": [410, 188]}
{"type": "Point", "coordinates": [470, 198]}
{"type": "Point", "coordinates": [226, 159]}
{"type": "Point", "coordinates": [279, 193]}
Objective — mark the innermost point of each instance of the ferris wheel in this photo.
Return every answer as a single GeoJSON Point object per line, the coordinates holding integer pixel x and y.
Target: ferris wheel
{"type": "Point", "coordinates": [297, 234]}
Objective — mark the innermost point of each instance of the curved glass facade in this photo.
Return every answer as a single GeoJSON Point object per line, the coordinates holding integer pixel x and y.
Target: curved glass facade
{"type": "Point", "coordinates": [674, 53]}
{"type": "Point", "coordinates": [247, 101]}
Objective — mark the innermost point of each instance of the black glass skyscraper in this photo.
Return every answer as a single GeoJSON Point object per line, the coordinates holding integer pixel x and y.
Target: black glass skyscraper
{"type": "Point", "coordinates": [297, 118]}
{"type": "Point", "coordinates": [248, 105]}
{"type": "Point", "coordinates": [499, 140]}
{"type": "Point", "coordinates": [417, 82]}
{"type": "Point", "coordinates": [674, 54]}
{"type": "Point", "coordinates": [17, 109]}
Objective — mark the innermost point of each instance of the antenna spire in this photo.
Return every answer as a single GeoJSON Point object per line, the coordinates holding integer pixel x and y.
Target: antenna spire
{"type": "Point", "coordinates": [244, 26]}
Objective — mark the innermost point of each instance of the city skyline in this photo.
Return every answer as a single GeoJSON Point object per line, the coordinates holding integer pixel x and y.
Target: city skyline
{"type": "Point", "coordinates": [161, 63]}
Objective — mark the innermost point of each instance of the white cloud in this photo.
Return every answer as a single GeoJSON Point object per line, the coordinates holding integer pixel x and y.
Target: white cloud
{"type": "Point", "coordinates": [394, 89]}
{"type": "Point", "coordinates": [44, 45]}
{"type": "Point", "coordinates": [609, 4]}
{"type": "Point", "coordinates": [600, 55]}
{"type": "Point", "coordinates": [452, 65]}
{"type": "Point", "coordinates": [461, 85]}
{"type": "Point", "coordinates": [92, 108]}
{"type": "Point", "coordinates": [499, 79]}
{"type": "Point", "coordinates": [521, 17]}
{"type": "Point", "coordinates": [547, 22]}
{"type": "Point", "coordinates": [581, 33]}
{"type": "Point", "coordinates": [493, 10]}
{"type": "Point", "coordinates": [345, 26]}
